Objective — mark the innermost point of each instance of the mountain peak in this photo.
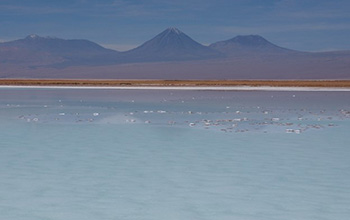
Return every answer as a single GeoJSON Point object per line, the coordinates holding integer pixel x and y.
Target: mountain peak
{"type": "Point", "coordinates": [250, 40]}
{"type": "Point", "coordinates": [172, 39]}
{"type": "Point", "coordinates": [37, 37]}
{"type": "Point", "coordinates": [33, 36]}
{"type": "Point", "coordinates": [173, 30]}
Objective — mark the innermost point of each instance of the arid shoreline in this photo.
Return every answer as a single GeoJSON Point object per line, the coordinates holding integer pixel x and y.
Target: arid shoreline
{"type": "Point", "coordinates": [176, 83]}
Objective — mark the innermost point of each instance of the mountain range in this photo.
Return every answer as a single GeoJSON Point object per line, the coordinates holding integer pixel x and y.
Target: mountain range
{"type": "Point", "coordinates": [169, 55]}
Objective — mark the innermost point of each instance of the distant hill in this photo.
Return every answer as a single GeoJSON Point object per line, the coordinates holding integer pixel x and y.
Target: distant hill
{"type": "Point", "coordinates": [170, 55]}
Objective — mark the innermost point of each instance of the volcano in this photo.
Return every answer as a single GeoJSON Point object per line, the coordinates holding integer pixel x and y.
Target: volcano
{"type": "Point", "coordinates": [171, 45]}
{"type": "Point", "coordinates": [248, 44]}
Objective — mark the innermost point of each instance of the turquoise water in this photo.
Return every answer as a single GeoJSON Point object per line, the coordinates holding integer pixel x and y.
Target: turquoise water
{"type": "Point", "coordinates": [87, 154]}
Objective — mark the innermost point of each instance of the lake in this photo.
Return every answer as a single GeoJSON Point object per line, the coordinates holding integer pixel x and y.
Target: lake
{"type": "Point", "coordinates": [144, 154]}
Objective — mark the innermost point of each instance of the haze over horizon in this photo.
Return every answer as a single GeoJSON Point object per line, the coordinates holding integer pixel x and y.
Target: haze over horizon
{"type": "Point", "coordinates": [123, 25]}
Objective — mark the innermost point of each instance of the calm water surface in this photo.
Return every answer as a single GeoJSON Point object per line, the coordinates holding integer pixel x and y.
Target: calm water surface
{"type": "Point", "coordinates": [104, 154]}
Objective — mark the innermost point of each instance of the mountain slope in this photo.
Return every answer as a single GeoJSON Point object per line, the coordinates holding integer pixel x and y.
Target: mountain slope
{"type": "Point", "coordinates": [171, 45]}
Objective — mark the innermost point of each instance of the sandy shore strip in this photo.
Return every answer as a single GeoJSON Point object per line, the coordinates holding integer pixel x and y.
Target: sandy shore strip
{"type": "Point", "coordinates": [214, 85]}
{"type": "Point", "coordinates": [193, 88]}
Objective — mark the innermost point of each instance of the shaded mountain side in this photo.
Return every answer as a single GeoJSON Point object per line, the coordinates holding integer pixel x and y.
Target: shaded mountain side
{"type": "Point", "coordinates": [170, 45]}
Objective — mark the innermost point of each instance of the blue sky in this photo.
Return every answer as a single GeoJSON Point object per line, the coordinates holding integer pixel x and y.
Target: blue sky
{"type": "Point", "coordinates": [309, 25]}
